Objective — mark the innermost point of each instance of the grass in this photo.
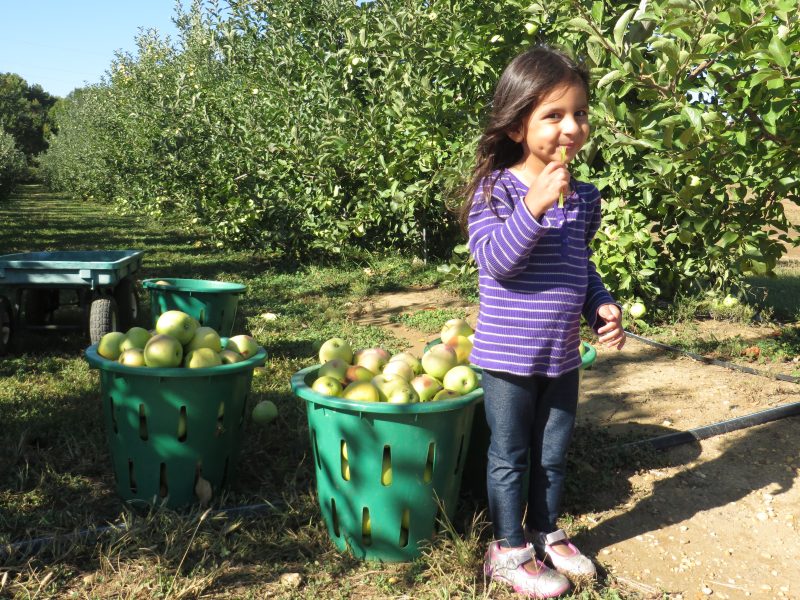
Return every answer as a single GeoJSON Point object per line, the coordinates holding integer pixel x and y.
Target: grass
{"type": "Point", "coordinates": [429, 321]}
{"type": "Point", "coordinates": [55, 469]}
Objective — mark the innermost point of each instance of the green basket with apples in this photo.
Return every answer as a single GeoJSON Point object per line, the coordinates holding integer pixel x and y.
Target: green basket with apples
{"type": "Point", "coordinates": [474, 480]}
{"type": "Point", "coordinates": [386, 473]}
{"type": "Point", "coordinates": [173, 433]}
{"type": "Point", "coordinates": [212, 303]}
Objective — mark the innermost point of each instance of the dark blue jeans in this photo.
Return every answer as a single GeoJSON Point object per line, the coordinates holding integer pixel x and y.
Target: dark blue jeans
{"type": "Point", "coordinates": [533, 413]}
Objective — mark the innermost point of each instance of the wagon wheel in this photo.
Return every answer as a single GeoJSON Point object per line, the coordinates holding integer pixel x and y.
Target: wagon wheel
{"type": "Point", "coordinates": [6, 325]}
{"type": "Point", "coordinates": [127, 298]}
{"type": "Point", "coordinates": [102, 317]}
{"type": "Point", "coordinates": [38, 305]}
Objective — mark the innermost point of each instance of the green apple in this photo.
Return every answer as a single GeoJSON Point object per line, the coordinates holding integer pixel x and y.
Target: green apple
{"type": "Point", "coordinates": [373, 359]}
{"type": "Point", "coordinates": [202, 358]}
{"type": "Point", "coordinates": [426, 386]}
{"type": "Point", "coordinates": [205, 337]}
{"type": "Point", "coordinates": [264, 412]}
{"type": "Point", "coordinates": [109, 345]}
{"type": "Point", "coordinates": [335, 347]}
{"type": "Point", "coordinates": [445, 395]}
{"type": "Point", "coordinates": [229, 357]}
{"type": "Point", "coordinates": [177, 324]}
{"type": "Point", "coordinates": [327, 386]}
{"type": "Point", "coordinates": [357, 373]}
{"type": "Point", "coordinates": [411, 360]}
{"type": "Point", "coordinates": [439, 360]}
{"type": "Point", "coordinates": [136, 337]}
{"type": "Point", "coordinates": [460, 379]}
{"type": "Point", "coordinates": [462, 346]}
{"type": "Point", "coordinates": [730, 301]}
{"type": "Point", "coordinates": [399, 368]}
{"type": "Point", "coordinates": [335, 368]}
{"type": "Point", "coordinates": [455, 327]}
{"type": "Point", "coordinates": [581, 349]}
{"type": "Point", "coordinates": [401, 392]}
{"type": "Point", "coordinates": [365, 391]}
{"type": "Point", "coordinates": [637, 310]}
{"type": "Point", "coordinates": [132, 357]}
{"type": "Point", "coordinates": [163, 351]}
{"type": "Point", "coordinates": [244, 344]}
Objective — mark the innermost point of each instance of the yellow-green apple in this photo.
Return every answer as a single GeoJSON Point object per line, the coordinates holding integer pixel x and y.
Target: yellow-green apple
{"type": "Point", "coordinates": [401, 392]}
{"type": "Point", "coordinates": [373, 359]}
{"type": "Point", "coordinates": [228, 357]}
{"type": "Point", "coordinates": [460, 379]}
{"type": "Point", "coordinates": [327, 386]}
{"type": "Point", "coordinates": [335, 347]}
{"type": "Point", "coordinates": [411, 360]}
{"type": "Point", "coordinates": [264, 412]}
{"type": "Point", "coordinates": [439, 360]}
{"type": "Point", "coordinates": [162, 282]}
{"type": "Point", "coordinates": [109, 345]}
{"type": "Point", "coordinates": [202, 358]}
{"type": "Point", "coordinates": [399, 368]}
{"type": "Point", "coordinates": [177, 324]}
{"type": "Point", "coordinates": [446, 395]}
{"type": "Point", "coordinates": [244, 344]}
{"type": "Point", "coordinates": [205, 337]}
{"type": "Point", "coordinates": [163, 351]}
{"type": "Point", "coordinates": [730, 301]}
{"type": "Point", "coordinates": [637, 310]}
{"type": "Point", "coordinates": [364, 391]}
{"type": "Point", "coordinates": [335, 368]}
{"type": "Point", "coordinates": [581, 349]}
{"type": "Point", "coordinates": [426, 386]}
{"type": "Point", "coordinates": [132, 357]}
{"type": "Point", "coordinates": [135, 337]}
{"type": "Point", "coordinates": [462, 346]}
{"type": "Point", "coordinates": [455, 327]}
{"type": "Point", "coordinates": [357, 373]}
{"type": "Point", "coordinates": [375, 350]}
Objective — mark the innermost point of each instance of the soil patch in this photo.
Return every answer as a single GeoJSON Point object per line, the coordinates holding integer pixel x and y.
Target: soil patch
{"type": "Point", "coordinates": [722, 519]}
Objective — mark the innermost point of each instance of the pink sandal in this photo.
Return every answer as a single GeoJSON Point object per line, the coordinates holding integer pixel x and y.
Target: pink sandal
{"type": "Point", "coordinates": [509, 567]}
{"type": "Point", "coordinates": [574, 563]}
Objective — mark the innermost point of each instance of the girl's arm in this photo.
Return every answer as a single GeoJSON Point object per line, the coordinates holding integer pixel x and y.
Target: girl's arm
{"type": "Point", "coordinates": [596, 293]}
{"type": "Point", "coordinates": [501, 240]}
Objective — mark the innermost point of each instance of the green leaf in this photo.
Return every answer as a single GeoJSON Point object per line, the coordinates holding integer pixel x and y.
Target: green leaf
{"type": "Point", "coordinates": [622, 26]}
{"type": "Point", "coordinates": [610, 77]}
{"type": "Point", "coordinates": [709, 39]}
{"type": "Point", "coordinates": [581, 24]}
{"type": "Point", "coordinates": [779, 52]}
{"type": "Point", "coordinates": [694, 116]}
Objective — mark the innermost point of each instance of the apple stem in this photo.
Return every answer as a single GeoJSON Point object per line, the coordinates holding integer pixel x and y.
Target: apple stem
{"type": "Point", "coordinates": [563, 160]}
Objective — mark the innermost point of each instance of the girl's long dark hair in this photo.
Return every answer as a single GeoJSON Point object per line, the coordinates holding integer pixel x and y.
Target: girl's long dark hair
{"type": "Point", "coordinates": [524, 82]}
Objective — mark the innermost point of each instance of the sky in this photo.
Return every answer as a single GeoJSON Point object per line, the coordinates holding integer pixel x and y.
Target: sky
{"type": "Point", "coordinates": [63, 44]}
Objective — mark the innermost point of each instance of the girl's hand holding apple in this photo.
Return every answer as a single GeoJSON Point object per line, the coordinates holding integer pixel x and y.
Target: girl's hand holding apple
{"type": "Point", "coordinates": [547, 187]}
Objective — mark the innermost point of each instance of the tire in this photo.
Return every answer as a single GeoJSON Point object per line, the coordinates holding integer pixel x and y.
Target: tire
{"type": "Point", "coordinates": [127, 298]}
{"type": "Point", "coordinates": [6, 325]}
{"type": "Point", "coordinates": [102, 318]}
{"type": "Point", "coordinates": [38, 305]}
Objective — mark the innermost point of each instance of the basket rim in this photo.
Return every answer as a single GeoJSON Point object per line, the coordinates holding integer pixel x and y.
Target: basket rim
{"type": "Point", "coordinates": [196, 285]}
{"type": "Point", "coordinates": [302, 390]}
{"type": "Point", "coordinates": [105, 364]}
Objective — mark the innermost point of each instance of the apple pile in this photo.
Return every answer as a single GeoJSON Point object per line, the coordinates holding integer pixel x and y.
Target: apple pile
{"type": "Point", "coordinates": [374, 375]}
{"type": "Point", "coordinates": [177, 340]}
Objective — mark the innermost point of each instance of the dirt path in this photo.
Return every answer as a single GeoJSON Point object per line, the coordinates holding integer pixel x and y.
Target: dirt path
{"type": "Point", "coordinates": [724, 519]}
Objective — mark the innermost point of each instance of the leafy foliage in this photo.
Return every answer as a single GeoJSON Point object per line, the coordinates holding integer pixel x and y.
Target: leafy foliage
{"type": "Point", "coordinates": [309, 127]}
{"type": "Point", "coordinates": [12, 164]}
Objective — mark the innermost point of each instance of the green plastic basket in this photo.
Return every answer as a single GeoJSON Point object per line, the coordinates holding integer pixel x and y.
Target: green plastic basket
{"type": "Point", "coordinates": [425, 444]}
{"type": "Point", "coordinates": [212, 303]}
{"type": "Point", "coordinates": [166, 427]}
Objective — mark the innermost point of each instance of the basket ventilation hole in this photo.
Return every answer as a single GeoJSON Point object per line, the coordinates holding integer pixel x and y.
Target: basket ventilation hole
{"type": "Point", "coordinates": [404, 527]}
{"type": "Point", "coordinates": [142, 423]}
{"type": "Point", "coordinates": [386, 466]}
{"type": "Point", "coordinates": [224, 472]}
{"type": "Point", "coordinates": [244, 408]}
{"type": "Point", "coordinates": [182, 431]}
{"type": "Point", "coordinates": [428, 474]}
{"type": "Point", "coordinates": [163, 488]}
{"type": "Point", "coordinates": [131, 477]}
{"type": "Point", "coordinates": [202, 317]}
{"type": "Point", "coordinates": [366, 527]}
{"type": "Point", "coordinates": [220, 429]}
{"type": "Point", "coordinates": [335, 518]}
{"type": "Point", "coordinates": [113, 414]}
{"type": "Point", "coordinates": [458, 457]}
{"type": "Point", "coordinates": [316, 450]}
{"type": "Point", "coordinates": [344, 459]}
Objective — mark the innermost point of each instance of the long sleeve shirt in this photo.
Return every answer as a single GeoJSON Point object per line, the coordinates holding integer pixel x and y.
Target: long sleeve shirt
{"type": "Point", "coordinates": [535, 278]}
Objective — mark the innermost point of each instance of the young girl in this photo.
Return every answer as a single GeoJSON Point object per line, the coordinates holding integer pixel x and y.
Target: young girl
{"type": "Point", "coordinates": [536, 279]}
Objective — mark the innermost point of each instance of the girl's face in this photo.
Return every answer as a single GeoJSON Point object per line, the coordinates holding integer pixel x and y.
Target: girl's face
{"type": "Point", "coordinates": [560, 119]}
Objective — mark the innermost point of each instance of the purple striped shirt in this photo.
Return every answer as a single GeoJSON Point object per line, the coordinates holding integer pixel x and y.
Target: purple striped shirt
{"type": "Point", "coordinates": [535, 278]}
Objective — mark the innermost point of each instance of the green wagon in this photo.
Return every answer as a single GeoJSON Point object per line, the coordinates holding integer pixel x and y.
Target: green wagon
{"type": "Point", "coordinates": [34, 285]}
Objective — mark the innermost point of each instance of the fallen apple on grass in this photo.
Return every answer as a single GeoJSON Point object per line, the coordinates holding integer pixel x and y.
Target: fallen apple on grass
{"type": "Point", "coordinates": [264, 412]}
